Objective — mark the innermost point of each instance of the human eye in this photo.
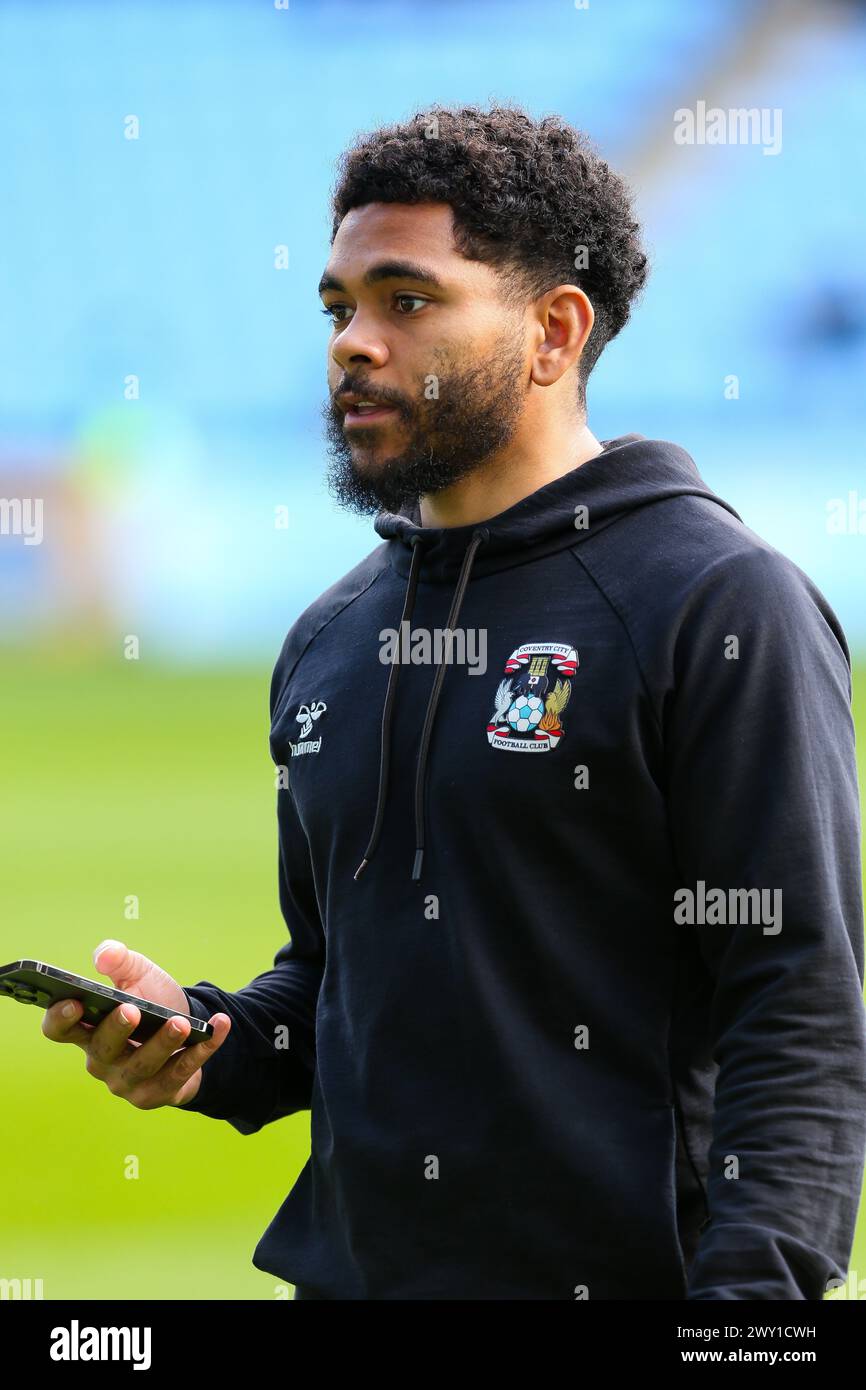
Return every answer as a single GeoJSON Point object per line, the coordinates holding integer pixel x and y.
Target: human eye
{"type": "Point", "coordinates": [333, 312]}
{"type": "Point", "coordinates": [413, 299]}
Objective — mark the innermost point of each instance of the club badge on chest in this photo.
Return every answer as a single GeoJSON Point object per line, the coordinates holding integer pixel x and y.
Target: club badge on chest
{"type": "Point", "coordinates": [529, 702]}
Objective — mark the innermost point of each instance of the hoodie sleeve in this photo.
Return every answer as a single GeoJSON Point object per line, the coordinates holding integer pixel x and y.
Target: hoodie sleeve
{"type": "Point", "coordinates": [264, 1069]}
{"type": "Point", "coordinates": [762, 788]}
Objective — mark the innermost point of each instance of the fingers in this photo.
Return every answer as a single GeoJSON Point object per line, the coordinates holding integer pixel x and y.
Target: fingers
{"type": "Point", "coordinates": [145, 1061]}
{"type": "Point", "coordinates": [146, 1074]}
{"type": "Point", "coordinates": [159, 1087]}
{"type": "Point", "coordinates": [109, 1039]}
{"type": "Point", "coordinates": [182, 1067]}
{"type": "Point", "coordinates": [60, 1028]}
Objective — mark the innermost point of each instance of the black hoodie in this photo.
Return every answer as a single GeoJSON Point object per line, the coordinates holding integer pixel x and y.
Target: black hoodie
{"type": "Point", "coordinates": [583, 1023]}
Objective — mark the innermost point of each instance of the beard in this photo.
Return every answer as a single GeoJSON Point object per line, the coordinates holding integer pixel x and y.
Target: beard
{"type": "Point", "coordinates": [445, 439]}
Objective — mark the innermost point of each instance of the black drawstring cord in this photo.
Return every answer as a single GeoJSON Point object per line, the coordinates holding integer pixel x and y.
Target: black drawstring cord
{"type": "Point", "coordinates": [478, 537]}
{"type": "Point", "coordinates": [390, 694]}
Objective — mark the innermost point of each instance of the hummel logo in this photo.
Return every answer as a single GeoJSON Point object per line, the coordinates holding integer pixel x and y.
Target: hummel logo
{"type": "Point", "coordinates": [305, 716]}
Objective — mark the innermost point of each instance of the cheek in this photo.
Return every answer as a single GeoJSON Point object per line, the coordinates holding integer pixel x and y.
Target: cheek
{"type": "Point", "coordinates": [438, 359]}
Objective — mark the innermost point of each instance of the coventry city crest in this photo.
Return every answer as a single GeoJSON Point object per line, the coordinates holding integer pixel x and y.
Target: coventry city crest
{"type": "Point", "coordinates": [530, 701]}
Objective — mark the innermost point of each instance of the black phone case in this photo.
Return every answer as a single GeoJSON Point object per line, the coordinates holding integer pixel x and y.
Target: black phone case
{"type": "Point", "coordinates": [34, 982]}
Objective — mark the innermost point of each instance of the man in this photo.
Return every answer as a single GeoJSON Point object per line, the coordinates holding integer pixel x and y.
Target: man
{"type": "Point", "coordinates": [581, 1023]}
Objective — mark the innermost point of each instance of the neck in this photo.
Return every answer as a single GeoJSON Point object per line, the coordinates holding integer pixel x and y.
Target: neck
{"type": "Point", "coordinates": [512, 475]}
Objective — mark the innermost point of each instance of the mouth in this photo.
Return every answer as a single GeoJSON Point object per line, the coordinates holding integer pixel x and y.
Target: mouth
{"type": "Point", "coordinates": [362, 414]}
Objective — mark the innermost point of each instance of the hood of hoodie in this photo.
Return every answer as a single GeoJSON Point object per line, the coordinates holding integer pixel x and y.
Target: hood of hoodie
{"type": "Point", "coordinates": [630, 472]}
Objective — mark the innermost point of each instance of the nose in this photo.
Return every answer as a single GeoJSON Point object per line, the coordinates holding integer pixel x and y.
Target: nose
{"type": "Point", "coordinates": [359, 344]}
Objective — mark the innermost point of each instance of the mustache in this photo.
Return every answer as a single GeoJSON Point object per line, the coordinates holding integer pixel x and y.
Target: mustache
{"type": "Point", "coordinates": [358, 388]}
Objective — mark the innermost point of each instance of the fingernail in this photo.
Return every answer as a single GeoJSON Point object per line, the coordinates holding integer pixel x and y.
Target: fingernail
{"type": "Point", "coordinates": [126, 1017]}
{"type": "Point", "coordinates": [68, 1010]}
{"type": "Point", "coordinates": [175, 1027]}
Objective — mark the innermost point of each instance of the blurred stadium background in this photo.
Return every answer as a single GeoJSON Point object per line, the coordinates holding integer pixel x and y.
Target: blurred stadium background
{"type": "Point", "coordinates": [154, 258]}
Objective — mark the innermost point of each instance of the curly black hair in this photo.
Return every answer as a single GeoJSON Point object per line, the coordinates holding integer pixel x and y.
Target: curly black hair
{"type": "Point", "coordinates": [529, 197]}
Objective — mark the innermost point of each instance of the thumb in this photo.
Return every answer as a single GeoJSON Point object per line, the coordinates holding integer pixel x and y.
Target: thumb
{"type": "Point", "coordinates": [122, 965]}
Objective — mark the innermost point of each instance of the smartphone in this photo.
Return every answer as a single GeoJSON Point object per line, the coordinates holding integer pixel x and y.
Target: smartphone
{"type": "Point", "coordinates": [34, 982]}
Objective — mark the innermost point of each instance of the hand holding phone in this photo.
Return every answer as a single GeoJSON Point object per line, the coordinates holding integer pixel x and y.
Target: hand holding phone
{"type": "Point", "coordinates": [160, 1071]}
